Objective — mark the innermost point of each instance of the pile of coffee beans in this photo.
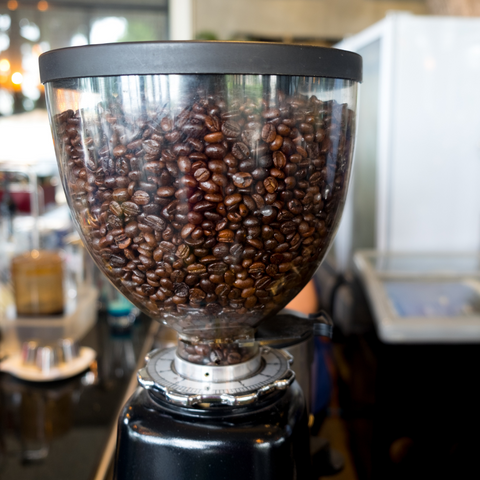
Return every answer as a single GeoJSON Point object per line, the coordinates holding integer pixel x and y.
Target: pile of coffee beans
{"type": "Point", "coordinates": [213, 216]}
{"type": "Point", "coordinates": [215, 353]}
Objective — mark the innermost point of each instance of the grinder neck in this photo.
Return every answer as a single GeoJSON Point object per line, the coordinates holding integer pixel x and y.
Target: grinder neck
{"type": "Point", "coordinates": [220, 352]}
{"type": "Point", "coordinates": [218, 373]}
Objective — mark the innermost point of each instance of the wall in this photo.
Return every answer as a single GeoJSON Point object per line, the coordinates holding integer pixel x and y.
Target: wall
{"type": "Point", "coordinates": [294, 19]}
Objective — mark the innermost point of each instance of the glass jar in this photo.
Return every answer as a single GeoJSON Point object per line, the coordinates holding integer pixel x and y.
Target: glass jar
{"type": "Point", "coordinates": [37, 278]}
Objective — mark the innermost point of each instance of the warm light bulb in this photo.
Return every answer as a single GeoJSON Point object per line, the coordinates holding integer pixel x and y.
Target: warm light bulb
{"type": "Point", "coordinates": [12, 4]}
{"type": "Point", "coordinates": [17, 78]}
{"type": "Point", "coordinates": [42, 5]}
{"type": "Point", "coordinates": [4, 65]}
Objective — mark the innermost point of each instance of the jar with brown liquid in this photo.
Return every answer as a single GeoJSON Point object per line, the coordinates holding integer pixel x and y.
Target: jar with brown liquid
{"type": "Point", "coordinates": [38, 283]}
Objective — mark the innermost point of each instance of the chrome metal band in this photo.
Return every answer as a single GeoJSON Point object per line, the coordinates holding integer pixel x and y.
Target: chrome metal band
{"type": "Point", "coordinates": [217, 374]}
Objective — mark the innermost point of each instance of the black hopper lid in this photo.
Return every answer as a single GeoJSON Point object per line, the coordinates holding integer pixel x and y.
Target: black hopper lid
{"type": "Point", "coordinates": [149, 58]}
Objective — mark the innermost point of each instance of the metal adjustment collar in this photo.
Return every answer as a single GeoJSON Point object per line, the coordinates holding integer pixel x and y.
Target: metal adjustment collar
{"type": "Point", "coordinates": [160, 375]}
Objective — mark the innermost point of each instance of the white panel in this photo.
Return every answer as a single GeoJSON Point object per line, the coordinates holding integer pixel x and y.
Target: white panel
{"type": "Point", "coordinates": [356, 210]}
{"type": "Point", "coordinates": [435, 148]}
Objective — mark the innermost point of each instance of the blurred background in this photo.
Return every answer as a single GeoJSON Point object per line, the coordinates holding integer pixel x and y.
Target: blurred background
{"type": "Point", "coordinates": [394, 393]}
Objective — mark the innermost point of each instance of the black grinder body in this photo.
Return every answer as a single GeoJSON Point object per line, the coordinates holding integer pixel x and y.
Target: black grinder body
{"type": "Point", "coordinates": [267, 441]}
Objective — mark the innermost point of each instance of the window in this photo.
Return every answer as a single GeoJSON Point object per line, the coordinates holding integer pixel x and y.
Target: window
{"type": "Point", "coordinates": [28, 28]}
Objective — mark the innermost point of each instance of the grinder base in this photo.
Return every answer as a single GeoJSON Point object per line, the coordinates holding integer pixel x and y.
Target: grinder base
{"type": "Point", "coordinates": [161, 441]}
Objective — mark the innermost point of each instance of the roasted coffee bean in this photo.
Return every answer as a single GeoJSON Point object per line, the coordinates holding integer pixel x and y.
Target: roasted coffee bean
{"type": "Point", "coordinates": [197, 294]}
{"type": "Point", "coordinates": [151, 147]}
{"type": "Point", "coordinates": [140, 197]}
{"type": "Point", "coordinates": [187, 230]}
{"type": "Point", "coordinates": [192, 279]}
{"type": "Point", "coordinates": [165, 192]}
{"type": "Point", "coordinates": [231, 129]}
{"type": "Point", "coordinates": [233, 357]}
{"type": "Point", "coordinates": [217, 268]}
{"type": "Point", "coordinates": [207, 286]}
{"type": "Point", "coordinates": [214, 137]}
{"type": "Point", "coordinates": [214, 197]}
{"type": "Point", "coordinates": [203, 206]}
{"type": "Point", "coordinates": [271, 184]}
{"type": "Point", "coordinates": [157, 223]}
{"type": "Point", "coordinates": [209, 186]}
{"type": "Point", "coordinates": [242, 179]}
{"type": "Point", "coordinates": [260, 173]}
{"type": "Point", "coordinates": [212, 123]}
{"type": "Point", "coordinates": [247, 165]}
{"type": "Point", "coordinates": [222, 290]}
{"type": "Point", "coordinates": [217, 166]}
{"type": "Point", "coordinates": [184, 164]}
{"type": "Point", "coordinates": [195, 218]}
{"type": "Point", "coordinates": [215, 151]}
{"type": "Point", "coordinates": [277, 143]}
{"type": "Point", "coordinates": [202, 174]}
{"type": "Point", "coordinates": [252, 135]}
{"type": "Point", "coordinates": [256, 268]}
{"type": "Point", "coordinates": [198, 233]}
{"type": "Point", "coordinates": [196, 197]}
{"type": "Point", "coordinates": [131, 229]}
{"type": "Point", "coordinates": [178, 276]}
{"type": "Point", "coordinates": [167, 246]}
{"type": "Point", "coordinates": [183, 251]}
{"type": "Point", "coordinates": [220, 180]}
{"type": "Point", "coordinates": [233, 199]}
{"type": "Point", "coordinates": [279, 160]}
{"type": "Point", "coordinates": [221, 250]}
{"type": "Point", "coordinates": [131, 209]}
{"type": "Point", "coordinates": [269, 133]}
{"type": "Point", "coordinates": [197, 268]}
{"type": "Point", "coordinates": [116, 209]}
{"type": "Point", "coordinates": [181, 289]}
{"type": "Point", "coordinates": [119, 195]}
{"type": "Point", "coordinates": [240, 151]}
{"type": "Point", "coordinates": [123, 241]}
{"type": "Point", "coordinates": [226, 236]}
{"type": "Point", "coordinates": [117, 261]}
{"type": "Point", "coordinates": [230, 161]}
{"type": "Point", "coordinates": [210, 242]}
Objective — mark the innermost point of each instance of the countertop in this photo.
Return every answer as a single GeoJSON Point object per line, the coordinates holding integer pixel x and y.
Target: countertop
{"type": "Point", "coordinates": [63, 429]}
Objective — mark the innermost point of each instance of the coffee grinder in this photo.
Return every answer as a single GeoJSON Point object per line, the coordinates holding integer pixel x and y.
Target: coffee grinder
{"type": "Point", "coordinates": [207, 180]}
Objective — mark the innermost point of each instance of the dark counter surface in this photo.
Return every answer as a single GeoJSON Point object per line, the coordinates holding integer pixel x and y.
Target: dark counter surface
{"type": "Point", "coordinates": [59, 430]}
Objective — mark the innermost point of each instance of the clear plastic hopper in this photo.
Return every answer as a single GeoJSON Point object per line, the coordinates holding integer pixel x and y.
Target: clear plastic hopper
{"type": "Point", "coordinates": [208, 199]}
